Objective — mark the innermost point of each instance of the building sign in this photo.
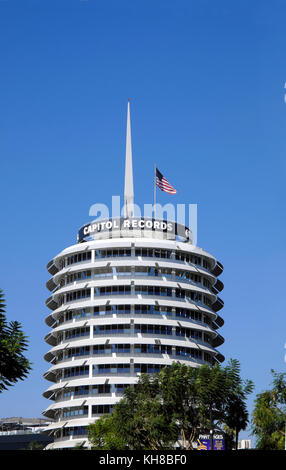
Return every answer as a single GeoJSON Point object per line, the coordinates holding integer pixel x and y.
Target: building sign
{"type": "Point", "coordinates": [218, 442]}
{"type": "Point", "coordinates": [205, 442]}
{"type": "Point", "coordinates": [128, 227]}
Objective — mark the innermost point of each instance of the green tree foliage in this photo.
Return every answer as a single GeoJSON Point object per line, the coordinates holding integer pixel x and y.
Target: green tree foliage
{"type": "Point", "coordinates": [176, 404]}
{"type": "Point", "coordinates": [235, 414]}
{"type": "Point", "coordinates": [105, 435]}
{"type": "Point", "coordinates": [178, 385]}
{"type": "Point", "coordinates": [13, 365]}
{"type": "Point", "coordinates": [229, 437]}
{"type": "Point", "coordinates": [269, 415]}
{"type": "Point", "coordinates": [139, 421]}
{"type": "Point", "coordinates": [34, 445]}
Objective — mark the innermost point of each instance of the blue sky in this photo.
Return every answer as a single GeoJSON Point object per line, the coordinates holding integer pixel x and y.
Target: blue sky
{"type": "Point", "coordinates": [206, 82]}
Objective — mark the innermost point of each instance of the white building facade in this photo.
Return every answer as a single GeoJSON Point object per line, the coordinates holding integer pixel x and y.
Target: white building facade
{"type": "Point", "coordinates": [131, 296]}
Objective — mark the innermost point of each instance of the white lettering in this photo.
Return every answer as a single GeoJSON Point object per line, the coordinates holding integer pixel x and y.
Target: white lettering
{"type": "Point", "coordinates": [134, 223]}
{"type": "Point", "coordinates": [109, 460]}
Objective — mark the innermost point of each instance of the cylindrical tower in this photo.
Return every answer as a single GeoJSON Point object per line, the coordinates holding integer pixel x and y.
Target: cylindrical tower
{"type": "Point", "coordinates": [120, 306]}
{"type": "Point", "coordinates": [131, 296]}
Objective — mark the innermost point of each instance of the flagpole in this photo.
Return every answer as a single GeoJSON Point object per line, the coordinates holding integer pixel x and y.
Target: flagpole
{"type": "Point", "coordinates": [155, 191]}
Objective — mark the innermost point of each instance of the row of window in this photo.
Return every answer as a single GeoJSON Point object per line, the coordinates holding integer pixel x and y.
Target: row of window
{"type": "Point", "coordinates": [125, 369]}
{"type": "Point", "coordinates": [101, 409]}
{"type": "Point", "coordinates": [112, 290]}
{"type": "Point", "coordinates": [135, 271]}
{"type": "Point", "coordinates": [138, 290]}
{"type": "Point", "coordinates": [85, 390]}
{"type": "Point", "coordinates": [74, 412]}
{"type": "Point", "coordinates": [110, 252]}
{"type": "Point", "coordinates": [77, 295]}
{"type": "Point", "coordinates": [83, 411]}
{"type": "Point", "coordinates": [111, 330]}
{"type": "Point", "coordinates": [78, 258]}
{"type": "Point", "coordinates": [142, 252]}
{"type": "Point", "coordinates": [137, 310]}
{"type": "Point", "coordinates": [76, 371]}
{"type": "Point", "coordinates": [75, 333]}
{"type": "Point", "coordinates": [127, 349]}
{"type": "Point", "coordinates": [112, 369]}
{"type": "Point", "coordinates": [128, 329]}
{"type": "Point", "coordinates": [73, 431]}
{"type": "Point", "coordinates": [78, 276]}
{"type": "Point", "coordinates": [189, 258]}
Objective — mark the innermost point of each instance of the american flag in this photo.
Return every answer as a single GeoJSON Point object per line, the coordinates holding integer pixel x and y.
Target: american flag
{"type": "Point", "coordinates": [163, 184]}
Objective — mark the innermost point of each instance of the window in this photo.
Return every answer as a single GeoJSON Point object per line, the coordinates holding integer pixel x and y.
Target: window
{"type": "Point", "coordinates": [75, 431]}
{"type": "Point", "coordinates": [101, 389]}
{"type": "Point", "coordinates": [75, 371]}
{"type": "Point", "coordinates": [188, 257]}
{"type": "Point", "coordinates": [120, 388]}
{"type": "Point", "coordinates": [152, 252]}
{"type": "Point", "coordinates": [101, 409]}
{"type": "Point", "coordinates": [152, 349]}
{"type": "Point", "coordinates": [123, 271]}
{"type": "Point", "coordinates": [77, 332]}
{"type": "Point", "coordinates": [81, 275]}
{"type": "Point", "coordinates": [101, 349]}
{"type": "Point", "coordinates": [121, 348]}
{"type": "Point", "coordinates": [186, 313]}
{"type": "Point", "coordinates": [144, 309]}
{"type": "Point", "coordinates": [206, 264]}
{"type": "Point", "coordinates": [99, 369]}
{"type": "Point", "coordinates": [111, 329]}
{"type": "Point", "coordinates": [188, 333]}
{"type": "Point", "coordinates": [103, 272]}
{"type": "Point", "coordinates": [153, 290]}
{"type": "Point", "coordinates": [77, 295]}
{"type": "Point", "coordinates": [153, 329]}
{"type": "Point", "coordinates": [112, 290]}
{"type": "Point", "coordinates": [74, 352]}
{"type": "Point", "coordinates": [82, 390]}
{"type": "Point", "coordinates": [115, 253]}
{"type": "Point", "coordinates": [78, 258]}
{"type": "Point", "coordinates": [188, 294]}
{"type": "Point", "coordinates": [147, 368]}
{"type": "Point", "coordinates": [75, 411]}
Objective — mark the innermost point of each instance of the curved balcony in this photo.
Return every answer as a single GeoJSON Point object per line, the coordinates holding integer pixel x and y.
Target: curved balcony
{"type": "Point", "coordinates": [218, 304]}
{"type": "Point", "coordinates": [52, 268]}
{"type": "Point", "coordinates": [218, 286]}
{"type": "Point", "coordinates": [51, 303]}
{"type": "Point", "coordinates": [51, 285]}
{"type": "Point", "coordinates": [218, 269]}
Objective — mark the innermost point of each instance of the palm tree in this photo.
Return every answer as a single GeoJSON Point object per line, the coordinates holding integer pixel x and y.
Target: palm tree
{"type": "Point", "coordinates": [14, 365]}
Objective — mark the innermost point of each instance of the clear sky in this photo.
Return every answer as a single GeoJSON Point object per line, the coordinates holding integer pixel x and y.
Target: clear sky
{"type": "Point", "coordinates": [206, 81]}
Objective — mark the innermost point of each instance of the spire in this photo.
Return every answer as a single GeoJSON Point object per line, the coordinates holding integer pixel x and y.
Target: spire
{"type": "Point", "coordinates": [128, 187]}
